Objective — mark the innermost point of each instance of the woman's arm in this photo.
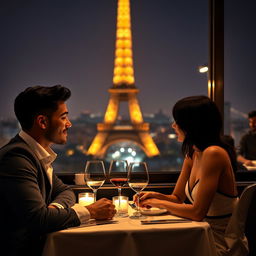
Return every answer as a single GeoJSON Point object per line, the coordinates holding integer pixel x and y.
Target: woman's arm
{"type": "Point", "coordinates": [212, 164]}
{"type": "Point", "coordinates": [178, 195]}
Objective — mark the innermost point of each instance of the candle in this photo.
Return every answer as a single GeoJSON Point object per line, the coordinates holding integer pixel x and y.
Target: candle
{"type": "Point", "coordinates": [121, 204]}
{"type": "Point", "coordinates": [85, 198]}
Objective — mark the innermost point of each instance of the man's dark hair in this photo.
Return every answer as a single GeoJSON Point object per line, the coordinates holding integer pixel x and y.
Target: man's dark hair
{"type": "Point", "coordinates": [38, 100]}
{"type": "Point", "coordinates": [252, 114]}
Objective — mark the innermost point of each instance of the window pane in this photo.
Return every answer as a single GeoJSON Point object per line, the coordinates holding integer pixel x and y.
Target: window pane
{"type": "Point", "coordinates": [73, 45]}
{"type": "Point", "coordinates": [240, 41]}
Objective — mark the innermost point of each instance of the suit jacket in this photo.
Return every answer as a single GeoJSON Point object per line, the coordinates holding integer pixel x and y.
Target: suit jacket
{"type": "Point", "coordinates": [25, 193]}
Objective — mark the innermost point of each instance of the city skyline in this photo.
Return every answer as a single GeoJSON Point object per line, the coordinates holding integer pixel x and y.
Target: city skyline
{"type": "Point", "coordinates": [73, 44]}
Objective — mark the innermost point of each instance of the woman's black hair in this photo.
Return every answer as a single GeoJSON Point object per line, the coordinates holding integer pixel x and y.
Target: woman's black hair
{"type": "Point", "coordinates": [200, 120]}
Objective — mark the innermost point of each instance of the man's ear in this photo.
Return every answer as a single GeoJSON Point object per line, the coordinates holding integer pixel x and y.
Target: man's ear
{"type": "Point", "coordinates": [42, 121]}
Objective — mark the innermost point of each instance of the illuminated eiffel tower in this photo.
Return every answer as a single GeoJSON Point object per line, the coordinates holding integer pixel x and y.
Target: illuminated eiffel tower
{"type": "Point", "coordinates": [123, 89]}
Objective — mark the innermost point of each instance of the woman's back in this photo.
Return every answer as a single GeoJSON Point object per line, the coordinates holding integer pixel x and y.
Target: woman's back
{"type": "Point", "coordinates": [218, 158]}
{"type": "Point", "coordinates": [216, 161]}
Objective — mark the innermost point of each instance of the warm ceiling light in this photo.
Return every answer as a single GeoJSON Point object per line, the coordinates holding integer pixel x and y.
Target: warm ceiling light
{"type": "Point", "coordinates": [203, 69]}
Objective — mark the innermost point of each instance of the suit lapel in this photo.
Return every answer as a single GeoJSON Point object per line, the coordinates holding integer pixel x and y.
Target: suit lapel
{"type": "Point", "coordinates": [48, 186]}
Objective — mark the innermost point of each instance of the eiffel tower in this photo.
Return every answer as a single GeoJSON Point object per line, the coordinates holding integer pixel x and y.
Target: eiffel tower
{"type": "Point", "coordinates": [123, 89]}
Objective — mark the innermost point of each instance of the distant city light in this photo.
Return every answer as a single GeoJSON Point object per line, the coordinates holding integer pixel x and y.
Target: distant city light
{"type": "Point", "coordinates": [162, 129]}
{"type": "Point", "coordinates": [172, 136]}
{"type": "Point", "coordinates": [70, 152]}
{"type": "Point", "coordinates": [80, 147]}
{"type": "Point", "coordinates": [125, 151]}
{"type": "Point", "coordinates": [116, 154]}
{"type": "Point", "coordinates": [129, 159]}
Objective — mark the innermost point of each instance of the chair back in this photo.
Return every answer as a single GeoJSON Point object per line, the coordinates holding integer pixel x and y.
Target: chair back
{"type": "Point", "coordinates": [235, 231]}
{"type": "Point", "coordinates": [250, 226]}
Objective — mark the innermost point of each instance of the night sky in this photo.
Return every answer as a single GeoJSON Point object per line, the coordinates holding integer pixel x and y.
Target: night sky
{"type": "Point", "coordinates": [71, 42]}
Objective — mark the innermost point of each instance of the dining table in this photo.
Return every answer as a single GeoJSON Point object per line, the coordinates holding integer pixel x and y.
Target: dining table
{"type": "Point", "coordinates": [162, 234]}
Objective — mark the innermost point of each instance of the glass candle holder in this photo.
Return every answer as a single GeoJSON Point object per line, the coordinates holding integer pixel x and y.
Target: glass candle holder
{"type": "Point", "coordinates": [85, 198]}
{"type": "Point", "coordinates": [121, 204]}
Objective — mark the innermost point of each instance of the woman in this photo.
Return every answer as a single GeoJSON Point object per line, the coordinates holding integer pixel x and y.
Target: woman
{"type": "Point", "coordinates": [207, 175]}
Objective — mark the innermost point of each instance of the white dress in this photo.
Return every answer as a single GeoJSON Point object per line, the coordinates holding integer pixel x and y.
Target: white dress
{"type": "Point", "coordinates": [218, 215]}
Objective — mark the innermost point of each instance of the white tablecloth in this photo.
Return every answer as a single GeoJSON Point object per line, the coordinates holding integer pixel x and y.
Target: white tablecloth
{"type": "Point", "coordinates": [128, 237]}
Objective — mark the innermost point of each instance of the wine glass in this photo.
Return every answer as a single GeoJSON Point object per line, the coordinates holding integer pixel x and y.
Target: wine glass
{"type": "Point", "coordinates": [95, 175]}
{"type": "Point", "coordinates": [118, 177]}
{"type": "Point", "coordinates": [138, 179]}
{"type": "Point", "coordinates": [118, 174]}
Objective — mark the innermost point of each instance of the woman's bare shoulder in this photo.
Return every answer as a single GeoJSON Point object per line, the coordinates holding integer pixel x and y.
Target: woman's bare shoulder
{"type": "Point", "coordinates": [215, 151]}
{"type": "Point", "coordinates": [214, 158]}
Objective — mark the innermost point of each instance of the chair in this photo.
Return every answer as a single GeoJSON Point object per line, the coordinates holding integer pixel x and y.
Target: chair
{"type": "Point", "coordinates": [242, 217]}
{"type": "Point", "coordinates": [250, 227]}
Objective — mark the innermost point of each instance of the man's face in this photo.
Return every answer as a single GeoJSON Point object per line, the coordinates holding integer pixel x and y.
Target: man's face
{"type": "Point", "coordinates": [252, 123]}
{"type": "Point", "coordinates": [58, 124]}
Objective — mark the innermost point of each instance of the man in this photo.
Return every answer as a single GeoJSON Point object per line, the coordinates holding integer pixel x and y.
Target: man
{"type": "Point", "coordinates": [247, 148]}
{"type": "Point", "coordinates": [34, 201]}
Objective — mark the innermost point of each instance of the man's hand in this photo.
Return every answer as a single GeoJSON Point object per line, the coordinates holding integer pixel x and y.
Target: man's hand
{"type": "Point", "coordinates": [248, 163]}
{"type": "Point", "coordinates": [102, 209]}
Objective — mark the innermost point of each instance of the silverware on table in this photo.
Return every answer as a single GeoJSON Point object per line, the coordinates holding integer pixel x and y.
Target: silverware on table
{"type": "Point", "coordinates": [165, 221]}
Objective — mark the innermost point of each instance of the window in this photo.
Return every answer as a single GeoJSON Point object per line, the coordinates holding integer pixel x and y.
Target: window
{"type": "Point", "coordinates": [240, 41]}
{"type": "Point", "coordinates": [73, 45]}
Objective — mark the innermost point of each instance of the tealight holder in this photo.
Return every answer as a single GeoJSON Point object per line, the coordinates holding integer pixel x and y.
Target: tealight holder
{"type": "Point", "coordinates": [121, 205]}
{"type": "Point", "coordinates": [85, 199]}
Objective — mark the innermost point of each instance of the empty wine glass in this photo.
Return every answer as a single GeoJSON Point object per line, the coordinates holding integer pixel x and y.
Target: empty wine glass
{"type": "Point", "coordinates": [95, 175]}
{"type": "Point", "coordinates": [138, 180]}
{"type": "Point", "coordinates": [118, 177]}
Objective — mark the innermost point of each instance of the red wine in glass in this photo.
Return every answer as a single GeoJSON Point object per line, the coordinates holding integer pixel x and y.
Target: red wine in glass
{"type": "Point", "coordinates": [118, 174]}
{"type": "Point", "coordinates": [118, 182]}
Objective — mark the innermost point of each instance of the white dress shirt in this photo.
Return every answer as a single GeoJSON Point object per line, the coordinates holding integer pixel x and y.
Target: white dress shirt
{"type": "Point", "coordinates": [47, 158]}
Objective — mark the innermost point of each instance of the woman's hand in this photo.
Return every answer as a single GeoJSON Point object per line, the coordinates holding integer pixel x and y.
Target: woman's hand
{"type": "Point", "coordinates": [152, 202]}
{"type": "Point", "coordinates": [150, 194]}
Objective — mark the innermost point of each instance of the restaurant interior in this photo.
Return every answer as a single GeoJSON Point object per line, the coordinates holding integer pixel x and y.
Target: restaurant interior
{"type": "Point", "coordinates": [150, 231]}
{"type": "Point", "coordinates": [164, 182]}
